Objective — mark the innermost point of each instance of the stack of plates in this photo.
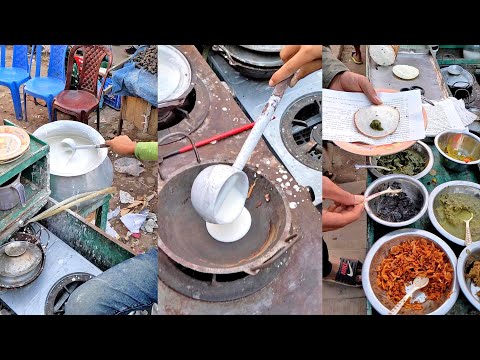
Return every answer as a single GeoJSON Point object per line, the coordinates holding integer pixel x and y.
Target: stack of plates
{"type": "Point", "coordinates": [14, 142]}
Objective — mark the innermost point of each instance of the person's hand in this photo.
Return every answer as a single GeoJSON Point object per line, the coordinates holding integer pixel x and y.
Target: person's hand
{"type": "Point", "coordinates": [338, 216]}
{"type": "Point", "coordinates": [300, 60]}
{"type": "Point", "coordinates": [346, 208]}
{"type": "Point", "coordinates": [122, 145]}
{"type": "Point", "coordinates": [353, 82]}
{"type": "Point", "coordinates": [334, 192]}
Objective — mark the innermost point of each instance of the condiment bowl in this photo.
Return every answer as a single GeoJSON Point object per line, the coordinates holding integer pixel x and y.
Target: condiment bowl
{"type": "Point", "coordinates": [380, 250]}
{"type": "Point", "coordinates": [465, 260]}
{"type": "Point", "coordinates": [412, 187]}
{"type": "Point", "coordinates": [457, 186]}
{"type": "Point", "coordinates": [419, 147]}
{"type": "Point", "coordinates": [467, 143]}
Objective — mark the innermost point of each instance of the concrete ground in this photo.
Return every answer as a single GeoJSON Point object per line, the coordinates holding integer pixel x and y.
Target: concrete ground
{"type": "Point", "coordinates": [350, 241]}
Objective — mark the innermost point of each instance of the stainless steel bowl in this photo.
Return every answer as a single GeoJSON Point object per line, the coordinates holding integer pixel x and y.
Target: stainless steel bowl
{"type": "Point", "coordinates": [457, 186]}
{"type": "Point", "coordinates": [467, 143]}
{"type": "Point", "coordinates": [380, 250]}
{"type": "Point", "coordinates": [412, 187]}
{"type": "Point", "coordinates": [466, 258]}
{"type": "Point", "coordinates": [419, 147]}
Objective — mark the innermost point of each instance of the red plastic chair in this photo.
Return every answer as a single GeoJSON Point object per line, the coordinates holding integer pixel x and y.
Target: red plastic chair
{"type": "Point", "coordinates": [82, 102]}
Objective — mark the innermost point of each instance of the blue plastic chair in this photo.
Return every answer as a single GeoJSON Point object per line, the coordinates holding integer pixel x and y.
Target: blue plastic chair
{"type": "Point", "coordinates": [13, 77]}
{"type": "Point", "coordinates": [47, 87]}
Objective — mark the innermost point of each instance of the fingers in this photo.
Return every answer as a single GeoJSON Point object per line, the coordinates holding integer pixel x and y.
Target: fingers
{"type": "Point", "coordinates": [288, 51]}
{"type": "Point", "coordinates": [368, 90]}
{"type": "Point", "coordinates": [291, 66]}
{"type": "Point", "coordinates": [340, 219]}
{"type": "Point", "coordinates": [306, 70]}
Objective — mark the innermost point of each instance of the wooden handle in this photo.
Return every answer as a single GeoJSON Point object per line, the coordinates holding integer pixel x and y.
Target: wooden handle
{"type": "Point", "coordinates": [400, 304]}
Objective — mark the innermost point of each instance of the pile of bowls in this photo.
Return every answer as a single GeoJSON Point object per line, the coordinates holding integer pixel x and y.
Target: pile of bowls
{"type": "Point", "coordinates": [419, 147]}
{"type": "Point", "coordinates": [380, 249]}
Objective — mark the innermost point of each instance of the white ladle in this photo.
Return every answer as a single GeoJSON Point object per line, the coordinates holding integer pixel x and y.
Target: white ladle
{"type": "Point", "coordinates": [72, 145]}
{"type": "Point", "coordinates": [219, 183]}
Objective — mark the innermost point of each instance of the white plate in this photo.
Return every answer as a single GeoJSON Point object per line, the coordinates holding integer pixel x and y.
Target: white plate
{"type": "Point", "coordinates": [174, 73]}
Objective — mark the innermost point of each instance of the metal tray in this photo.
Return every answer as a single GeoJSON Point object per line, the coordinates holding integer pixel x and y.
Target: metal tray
{"type": "Point", "coordinates": [429, 78]}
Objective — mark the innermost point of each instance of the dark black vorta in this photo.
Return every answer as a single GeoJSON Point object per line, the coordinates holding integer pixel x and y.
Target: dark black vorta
{"type": "Point", "coordinates": [397, 208]}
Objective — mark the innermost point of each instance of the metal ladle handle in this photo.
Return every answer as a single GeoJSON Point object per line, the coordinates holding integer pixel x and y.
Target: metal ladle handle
{"type": "Point", "coordinates": [260, 124]}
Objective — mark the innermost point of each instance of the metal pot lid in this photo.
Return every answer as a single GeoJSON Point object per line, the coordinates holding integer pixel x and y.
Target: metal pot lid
{"type": "Point", "coordinates": [264, 48]}
{"type": "Point", "coordinates": [18, 258]}
{"type": "Point", "coordinates": [175, 74]}
{"type": "Point", "coordinates": [464, 80]}
{"type": "Point", "coordinates": [254, 58]}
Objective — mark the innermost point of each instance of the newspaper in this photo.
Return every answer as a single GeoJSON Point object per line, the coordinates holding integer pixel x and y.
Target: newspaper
{"type": "Point", "coordinates": [448, 114]}
{"type": "Point", "coordinates": [339, 107]}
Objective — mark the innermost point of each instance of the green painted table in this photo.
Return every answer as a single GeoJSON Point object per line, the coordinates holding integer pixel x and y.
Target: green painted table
{"type": "Point", "coordinates": [376, 231]}
{"type": "Point", "coordinates": [33, 165]}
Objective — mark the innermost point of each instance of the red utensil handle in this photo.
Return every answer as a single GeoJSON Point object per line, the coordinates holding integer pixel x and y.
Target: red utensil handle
{"type": "Point", "coordinates": [217, 137]}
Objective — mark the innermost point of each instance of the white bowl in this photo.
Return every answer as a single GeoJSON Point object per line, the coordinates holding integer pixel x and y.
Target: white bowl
{"type": "Point", "coordinates": [456, 186]}
{"type": "Point", "coordinates": [467, 286]}
{"type": "Point", "coordinates": [390, 238]}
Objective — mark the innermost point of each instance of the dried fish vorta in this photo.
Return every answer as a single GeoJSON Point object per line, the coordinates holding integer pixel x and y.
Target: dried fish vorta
{"type": "Point", "coordinates": [411, 258]}
{"type": "Point", "coordinates": [147, 59]}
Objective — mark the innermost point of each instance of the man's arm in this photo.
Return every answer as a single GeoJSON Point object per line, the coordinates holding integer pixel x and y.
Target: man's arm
{"type": "Point", "coordinates": [331, 66]}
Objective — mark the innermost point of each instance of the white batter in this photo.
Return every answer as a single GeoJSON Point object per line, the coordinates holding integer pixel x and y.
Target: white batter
{"type": "Point", "coordinates": [231, 206]}
{"type": "Point", "coordinates": [233, 231]}
{"type": "Point", "coordinates": [61, 158]}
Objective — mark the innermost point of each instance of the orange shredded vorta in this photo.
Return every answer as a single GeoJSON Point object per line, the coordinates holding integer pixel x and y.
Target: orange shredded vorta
{"type": "Point", "coordinates": [412, 258]}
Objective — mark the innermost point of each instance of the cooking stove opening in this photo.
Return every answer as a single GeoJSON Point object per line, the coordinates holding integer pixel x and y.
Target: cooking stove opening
{"type": "Point", "coordinates": [187, 117]}
{"type": "Point", "coordinates": [175, 116]}
{"type": "Point", "coordinates": [219, 287]}
{"type": "Point", "coordinates": [300, 128]}
{"type": "Point", "coordinates": [61, 291]}
{"type": "Point", "coordinates": [211, 277]}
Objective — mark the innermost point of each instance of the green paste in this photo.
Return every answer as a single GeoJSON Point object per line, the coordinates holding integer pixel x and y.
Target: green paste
{"type": "Point", "coordinates": [407, 162]}
{"type": "Point", "coordinates": [376, 125]}
{"type": "Point", "coordinates": [453, 209]}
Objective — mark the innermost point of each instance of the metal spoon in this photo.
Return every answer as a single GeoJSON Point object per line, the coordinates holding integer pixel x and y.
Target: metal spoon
{"type": "Point", "coordinates": [468, 234]}
{"type": "Point", "coordinates": [384, 192]}
{"type": "Point", "coordinates": [358, 166]}
{"type": "Point", "coordinates": [418, 283]}
{"type": "Point", "coordinates": [73, 145]}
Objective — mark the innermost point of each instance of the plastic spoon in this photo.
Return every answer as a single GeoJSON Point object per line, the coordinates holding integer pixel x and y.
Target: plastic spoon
{"type": "Point", "coordinates": [418, 283]}
{"type": "Point", "coordinates": [358, 166]}
{"type": "Point", "coordinates": [384, 192]}
{"type": "Point", "coordinates": [219, 191]}
{"type": "Point", "coordinates": [468, 234]}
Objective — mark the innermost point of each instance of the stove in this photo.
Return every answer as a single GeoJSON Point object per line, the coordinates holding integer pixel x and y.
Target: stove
{"type": "Point", "coordinates": [291, 281]}
{"type": "Point", "coordinates": [297, 118]}
{"type": "Point", "coordinates": [64, 270]}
